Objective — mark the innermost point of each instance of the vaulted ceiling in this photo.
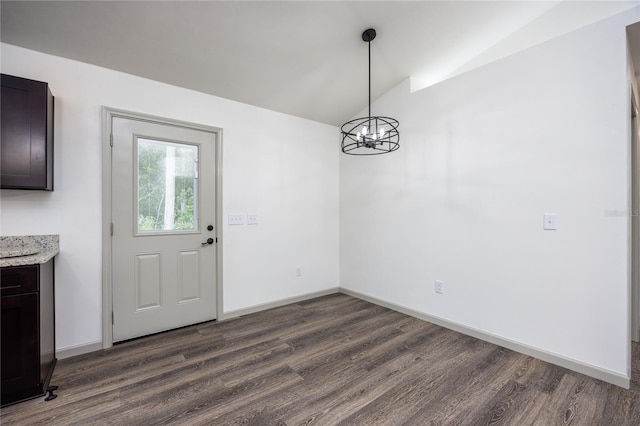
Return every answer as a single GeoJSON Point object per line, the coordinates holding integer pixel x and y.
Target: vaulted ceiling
{"type": "Point", "coordinates": [304, 58]}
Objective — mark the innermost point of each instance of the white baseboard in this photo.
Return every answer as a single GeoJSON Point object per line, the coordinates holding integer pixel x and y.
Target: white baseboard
{"type": "Point", "coordinates": [70, 351]}
{"type": "Point", "coordinates": [276, 303]}
{"type": "Point", "coordinates": [571, 364]}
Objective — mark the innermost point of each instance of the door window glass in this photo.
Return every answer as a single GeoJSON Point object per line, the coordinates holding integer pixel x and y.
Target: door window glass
{"type": "Point", "coordinates": [167, 187]}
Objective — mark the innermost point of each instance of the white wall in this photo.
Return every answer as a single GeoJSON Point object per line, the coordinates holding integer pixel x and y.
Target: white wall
{"type": "Point", "coordinates": [483, 156]}
{"type": "Point", "coordinates": [281, 167]}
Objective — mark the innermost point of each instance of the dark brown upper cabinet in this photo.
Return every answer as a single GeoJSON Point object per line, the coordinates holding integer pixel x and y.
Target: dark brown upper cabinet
{"type": "Point", "coordinates": [26, 149]}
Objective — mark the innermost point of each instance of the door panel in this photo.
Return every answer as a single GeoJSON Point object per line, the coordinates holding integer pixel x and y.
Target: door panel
{"type": "Point", "coordinates": [148, 281]}
{"type": "Point", "coordinates": [188, 279]}
{"type": "Point", "coordinates": [164, 271]}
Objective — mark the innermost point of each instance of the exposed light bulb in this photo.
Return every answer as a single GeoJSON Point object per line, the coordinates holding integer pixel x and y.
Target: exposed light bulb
{"type": "Point", "coordinates": [364, 130]}
{"type": "Point", "coordinates": [374, 136]}
{"type": "Point", "coordinates": [358, 136]}
{"type": "Point", "coordinates": [381, 132]}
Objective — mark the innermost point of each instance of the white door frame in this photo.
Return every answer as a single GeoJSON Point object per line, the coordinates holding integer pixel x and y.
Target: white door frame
{"type": "Point", "coordinates": [107, 284]}
{"type": "Point", "coordinates": [635, 220]}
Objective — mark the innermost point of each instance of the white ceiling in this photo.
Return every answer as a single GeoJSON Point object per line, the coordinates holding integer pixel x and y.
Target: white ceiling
{"type": "Point", "coordinates": [304, 58]}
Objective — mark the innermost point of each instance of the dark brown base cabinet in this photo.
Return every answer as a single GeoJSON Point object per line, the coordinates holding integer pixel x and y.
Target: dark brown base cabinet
{"type": "Point", "coordinates": [28, 331]}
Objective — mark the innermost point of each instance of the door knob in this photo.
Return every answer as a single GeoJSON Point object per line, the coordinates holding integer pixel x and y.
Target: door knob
{"type": "Point", "coordinates": [209, 241]}
{"type": "Point", "coordinates": [210, 228]}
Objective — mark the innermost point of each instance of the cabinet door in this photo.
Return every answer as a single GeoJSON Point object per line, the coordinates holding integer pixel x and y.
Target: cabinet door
{"type": "Point", "coordinates": [19, 339]}
{"type": "Point", "coordinates": [26, 157]}
{"type": "Point", "coordinates": [47, 321]}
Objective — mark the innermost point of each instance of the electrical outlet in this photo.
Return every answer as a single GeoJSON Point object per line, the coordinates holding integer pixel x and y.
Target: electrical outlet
{"type": "Point", "coordinates": [550, 221]}
{"type": "Point", "coordinates": [298, 271]}
{"type": "Point", "coordinates": [439, 287]}
{"type": "Point", "coordinates": [236, 219]}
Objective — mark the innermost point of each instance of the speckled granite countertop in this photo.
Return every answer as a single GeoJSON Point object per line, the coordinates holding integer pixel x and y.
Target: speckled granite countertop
{"type": "Point", "coordinates": [28, 249]}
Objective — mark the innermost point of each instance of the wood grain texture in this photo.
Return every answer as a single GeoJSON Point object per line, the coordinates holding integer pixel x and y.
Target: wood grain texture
{"type": "Point", "coordinates": [333, 360]}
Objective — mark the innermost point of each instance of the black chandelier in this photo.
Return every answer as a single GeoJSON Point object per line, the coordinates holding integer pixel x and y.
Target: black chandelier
{"type": "Point", "coordinates": [370, 135]}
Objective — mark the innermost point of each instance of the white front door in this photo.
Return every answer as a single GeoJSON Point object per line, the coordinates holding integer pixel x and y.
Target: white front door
{"type": "Point", "coordinates": [163, 213]}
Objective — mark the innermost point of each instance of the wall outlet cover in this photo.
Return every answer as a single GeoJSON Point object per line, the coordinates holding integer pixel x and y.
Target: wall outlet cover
{"type": "Point", "coordinates": [550, 222]}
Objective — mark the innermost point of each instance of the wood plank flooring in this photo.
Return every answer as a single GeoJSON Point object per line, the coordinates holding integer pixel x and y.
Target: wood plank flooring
{"type": "Point", "coordinates": [334, 360]}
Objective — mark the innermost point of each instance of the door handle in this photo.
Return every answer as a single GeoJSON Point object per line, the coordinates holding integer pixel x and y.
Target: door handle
{"type": "Point", "coordinates": [209, 241]}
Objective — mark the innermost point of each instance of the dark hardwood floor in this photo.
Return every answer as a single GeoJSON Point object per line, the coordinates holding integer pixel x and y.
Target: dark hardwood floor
{"type": "Point", "coordinates": [334, 360]}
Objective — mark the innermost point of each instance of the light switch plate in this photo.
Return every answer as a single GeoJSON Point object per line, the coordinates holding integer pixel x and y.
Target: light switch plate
{"type": "Point", "coordinates": [236, 219]}
{"type": "Point", "coordinates": [550, 221]}
{"type": "Point", "coordinates": [252, 219]}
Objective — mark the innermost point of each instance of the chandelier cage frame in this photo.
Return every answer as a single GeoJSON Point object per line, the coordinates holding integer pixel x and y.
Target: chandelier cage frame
{"type": "Point", "coordinates": [372, 135]}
